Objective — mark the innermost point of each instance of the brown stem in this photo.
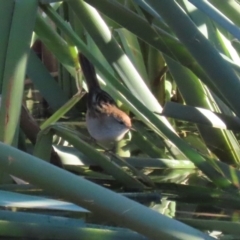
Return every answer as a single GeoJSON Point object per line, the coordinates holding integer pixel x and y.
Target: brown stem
{"type": "Point", "coordinates": [31, 129]}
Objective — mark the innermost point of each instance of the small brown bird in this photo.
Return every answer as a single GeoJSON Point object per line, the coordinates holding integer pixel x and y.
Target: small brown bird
{"type": "Point", "coordinates": [105, 121]}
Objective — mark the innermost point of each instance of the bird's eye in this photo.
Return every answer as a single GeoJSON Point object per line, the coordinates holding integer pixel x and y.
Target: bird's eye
{"type": "Point", "coordinates": [121, 122]}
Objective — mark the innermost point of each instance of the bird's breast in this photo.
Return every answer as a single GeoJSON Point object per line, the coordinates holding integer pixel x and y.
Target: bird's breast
{"type": "Point", "coordinates": [105, 128]}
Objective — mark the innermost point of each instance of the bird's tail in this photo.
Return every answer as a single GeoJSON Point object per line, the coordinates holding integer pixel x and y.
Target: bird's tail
{"type": "Point", "coordinates": [88, 72]}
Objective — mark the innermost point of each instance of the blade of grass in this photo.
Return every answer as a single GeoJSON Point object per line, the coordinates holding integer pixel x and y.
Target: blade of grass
{"type": "Point", "coordinates": [5, 26]}
{"type": "Point", "coordinates": [43, 146]}
{"type": "Point", "coordinates": [201, 116]}
{"type": "Point", "coordinates": [45, 83]}
{"type": "Point", "coordinates": [221, 142]}
{"type": "Point", "coordinates": [103, 161]}
{"type": "Point", "coordinates": [217, 16]}
{"type": "Point", "coordinates": [154, 36]}
{"type": "Point", "coordinates": [229, 8]}
{"type": "Point", "coordinates": [226, 227]}
{"type": "Point", "coordinates": [30, 225]}
{"type": "Point", "coordinates": [61, 111]}
{"type": "Point", "coordinates": [137, 162]}
{"type": "Point", "coordinates": [132, 49]}
{"type": "Point", "coordinates": [55, 44]}
{"type": "Point", "coordinates": [22, 18]}
{"type": "Point", "coordinates": [95, 198]}
{"type": "Point", "coordinates": [146, 141]}
{"type": "Point", "coordinates": [200, 48]}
